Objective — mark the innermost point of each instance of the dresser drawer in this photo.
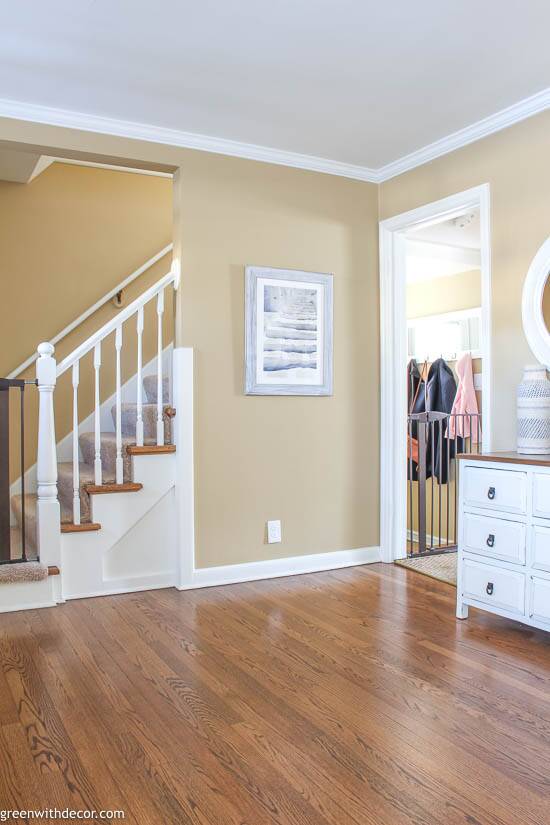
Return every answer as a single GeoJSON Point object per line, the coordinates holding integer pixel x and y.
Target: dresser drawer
{"type": "Point", "coordinates": [504, 490]}
{"type": "Point", "coordinates": [539, 599]}
{"type": "Point", "coordinates": [494, 537]}
{"type": "Point", "coordinates": [494, 586]}
{"type": "Point", "coordinates": [541, 495]}
{"type": "Point", "coordinates": [540, 548]}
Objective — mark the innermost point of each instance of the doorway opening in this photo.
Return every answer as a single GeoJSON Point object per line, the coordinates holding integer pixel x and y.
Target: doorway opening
{"type": "Point", "coordinates": [435, 351]}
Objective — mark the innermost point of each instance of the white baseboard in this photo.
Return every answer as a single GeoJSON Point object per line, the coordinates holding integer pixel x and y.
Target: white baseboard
{"type": "Point", "coordinates": [165, 583]}
{"type": "Point", "coordinates": [15, 608]}
{"type": "Point", "coordinates": [275, 568]}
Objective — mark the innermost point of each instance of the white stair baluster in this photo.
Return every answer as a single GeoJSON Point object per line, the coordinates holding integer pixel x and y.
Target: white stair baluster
{"type": "Point", "coordinates": [76, 458]}
{"type": "Point", "coordinates": [139, 420]}
{"type": "Point", "coordinates": [47, 506]}
{"type": "Point", "coordinates": [160, 422]}
{"type": "Point", "coordinates": [98, 472]}
{"type": "Point", "coordinates": [119, 462]}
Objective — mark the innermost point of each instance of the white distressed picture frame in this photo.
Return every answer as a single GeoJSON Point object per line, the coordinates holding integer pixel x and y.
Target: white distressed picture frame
{"type": "Point", "coordinates": [260, 380]}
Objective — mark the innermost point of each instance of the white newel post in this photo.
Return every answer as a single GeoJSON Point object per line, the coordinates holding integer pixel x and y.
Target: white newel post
{"type": "Point", "coordinates": [48, 515]}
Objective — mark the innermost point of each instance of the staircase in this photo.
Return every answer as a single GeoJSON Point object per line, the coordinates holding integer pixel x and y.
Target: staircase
{"type": "Point", "coordinates": [105, 521]}
{"type": "Point", "coordinates": [86, 470]}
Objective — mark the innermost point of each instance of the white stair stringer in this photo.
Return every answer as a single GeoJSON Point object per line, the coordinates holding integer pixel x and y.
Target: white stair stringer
{"type": "Point", "coordinates": [135, 549]}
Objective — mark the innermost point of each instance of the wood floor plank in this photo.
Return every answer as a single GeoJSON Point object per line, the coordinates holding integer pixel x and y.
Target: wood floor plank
{"type": "Point", "coordinates": [321, 709]}
{"type": "Point", "coordinates": [313, 707]}
{"type": "Point", "coordinates": [352, 697]}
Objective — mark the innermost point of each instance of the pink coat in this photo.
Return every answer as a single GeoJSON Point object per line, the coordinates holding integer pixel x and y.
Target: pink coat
{"type": "Point", "coordinates": [465, 404]}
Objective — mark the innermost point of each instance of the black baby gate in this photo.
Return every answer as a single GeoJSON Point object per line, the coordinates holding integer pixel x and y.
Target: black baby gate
{"type": "Point", "coordinates": [13, 545]}
{"type": "Point", "coordinates": [434, 439]}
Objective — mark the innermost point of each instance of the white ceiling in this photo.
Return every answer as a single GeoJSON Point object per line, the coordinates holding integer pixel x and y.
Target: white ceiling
{"type": "Point", "coordinates": [463, 231]}
{"type": "Point", "coordinates": [353, 81]}
{"type": "Point", "coordinates": [444, 248]}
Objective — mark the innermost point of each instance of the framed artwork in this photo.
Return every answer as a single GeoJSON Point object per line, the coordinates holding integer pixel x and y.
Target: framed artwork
{"type": "Point", "coordinates": [288, 347]}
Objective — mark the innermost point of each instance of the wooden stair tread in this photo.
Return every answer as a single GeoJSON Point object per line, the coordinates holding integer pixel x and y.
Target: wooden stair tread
{"type": "Point", "coordinates": [150, 449]}
{"type": "Point", "coordinates": [127, 487]}
{"type": "Point", "coordinates": [83, 527]}
{"type": "Point", "coordinates": [53, 570]}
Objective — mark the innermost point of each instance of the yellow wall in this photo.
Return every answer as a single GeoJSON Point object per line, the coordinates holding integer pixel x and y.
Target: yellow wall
{"type": "Point", "coordinates": [440, 295]}
{"type": "Point", "coordinates": [312, 462]}
{"type": "Point", "coordinates": [67, 238]}
{"type": "Point", "coordinates": [515, 164]}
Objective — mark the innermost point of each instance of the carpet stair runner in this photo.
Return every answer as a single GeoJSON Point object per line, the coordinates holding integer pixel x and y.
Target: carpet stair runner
{"type": "Point", "coordinates": [87, 477]}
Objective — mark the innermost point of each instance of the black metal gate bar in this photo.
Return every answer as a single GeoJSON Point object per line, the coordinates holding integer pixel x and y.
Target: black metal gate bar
{"type": "Point", "coordinates": [410, 474]}
{"type": "Point", "coordinates": [6, 384]}
{"type": "Point", "coordinates": [5, 533]}
{"type": "Point", "coordinates": [434, 441]}
{"type": "Point", "coordinates": [422, 441]}
{"type": "Point", "coordinates": [22, 458]}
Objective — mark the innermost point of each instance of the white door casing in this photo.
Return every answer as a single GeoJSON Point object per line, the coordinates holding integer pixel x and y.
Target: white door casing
{"type": "Point", "coordinates": [393, 352]}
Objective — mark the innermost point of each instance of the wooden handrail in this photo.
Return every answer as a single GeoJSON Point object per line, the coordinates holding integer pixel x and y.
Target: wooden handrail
{"type": "Point", "coordinates": [114, 323]}
{"type": "Point", "coordinates": [98, 304]}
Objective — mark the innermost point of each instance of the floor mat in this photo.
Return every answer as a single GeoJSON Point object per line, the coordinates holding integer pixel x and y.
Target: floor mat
{"type": "Point", "coordinates": [442, 566]}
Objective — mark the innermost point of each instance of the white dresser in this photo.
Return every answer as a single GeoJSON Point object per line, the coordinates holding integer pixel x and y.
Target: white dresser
{"type": "Point", "coordinates": [504, 537]}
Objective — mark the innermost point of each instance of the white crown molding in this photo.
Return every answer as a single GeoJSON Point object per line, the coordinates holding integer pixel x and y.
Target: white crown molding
{"type": "Point", "coordinates": [173, 137]}
{"type": "Point", "coordinates": [482, 128]}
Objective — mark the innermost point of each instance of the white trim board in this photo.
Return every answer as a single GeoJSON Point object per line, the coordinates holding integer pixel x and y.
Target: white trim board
{"type": "Point", "coordinates": [110, 167]}
{"type": "Point", "coordinates": [393, 352]}
{"type": "Point", "coordinates": [502, 119]}
{"type": "Point", "coordinates": [276, 568]}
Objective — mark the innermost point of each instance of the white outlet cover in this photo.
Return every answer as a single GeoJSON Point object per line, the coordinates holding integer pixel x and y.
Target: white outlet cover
{"type": "Point", "coordinates": [273, 532]}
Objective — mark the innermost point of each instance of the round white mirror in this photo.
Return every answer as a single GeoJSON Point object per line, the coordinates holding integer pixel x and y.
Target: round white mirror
{"type": "Point", "coordinates": [536, 305]}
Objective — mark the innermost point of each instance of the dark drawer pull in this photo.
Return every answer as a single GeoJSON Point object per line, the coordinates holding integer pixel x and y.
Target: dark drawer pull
{"type": "Point", "coordinates": [491, 493]}
{"type": "Point", "coordinates": [490, 540]}
{"type": "Point", "coordinates": [490, 587]}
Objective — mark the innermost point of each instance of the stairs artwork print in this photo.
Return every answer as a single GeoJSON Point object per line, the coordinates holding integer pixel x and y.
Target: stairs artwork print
{"type": "Point", "coordinates": [99, 511]}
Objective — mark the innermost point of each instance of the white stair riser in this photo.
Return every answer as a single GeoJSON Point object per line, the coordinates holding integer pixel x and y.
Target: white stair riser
{"type": "Point", "coordinates": [29, 595]}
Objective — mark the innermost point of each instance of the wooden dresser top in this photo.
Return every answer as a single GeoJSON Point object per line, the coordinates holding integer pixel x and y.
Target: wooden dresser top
{"type": "Point", "coordinates": [507, 458]}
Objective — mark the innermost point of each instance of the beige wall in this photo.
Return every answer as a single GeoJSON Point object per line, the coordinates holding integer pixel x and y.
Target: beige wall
{"type": "Point", "coordinates": [66, 239]}
{"type": "Point", "coordinates": [515, 164]}
{"type": "Point", "coordinates": [312, 462]}
{"type": "Point", "coordinates": [440, 295]}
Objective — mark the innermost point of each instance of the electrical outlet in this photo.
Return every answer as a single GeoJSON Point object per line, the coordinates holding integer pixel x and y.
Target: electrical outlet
{"type": "Point", "coordinates": [273, 532]}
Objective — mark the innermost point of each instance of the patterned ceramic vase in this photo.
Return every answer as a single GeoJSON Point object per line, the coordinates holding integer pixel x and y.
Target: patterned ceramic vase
{"type": "Point", "coordinates": [534, 411]}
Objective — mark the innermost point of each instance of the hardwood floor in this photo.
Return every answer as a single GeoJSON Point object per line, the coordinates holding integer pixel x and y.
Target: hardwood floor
{"type": "Point", "coordinates": [349, 697]}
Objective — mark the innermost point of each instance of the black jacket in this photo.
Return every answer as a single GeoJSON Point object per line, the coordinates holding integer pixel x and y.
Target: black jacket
{"type": "Point", "coordinates": [437, 394]}
{"type": "Point", "coordinates": [440, 396]}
